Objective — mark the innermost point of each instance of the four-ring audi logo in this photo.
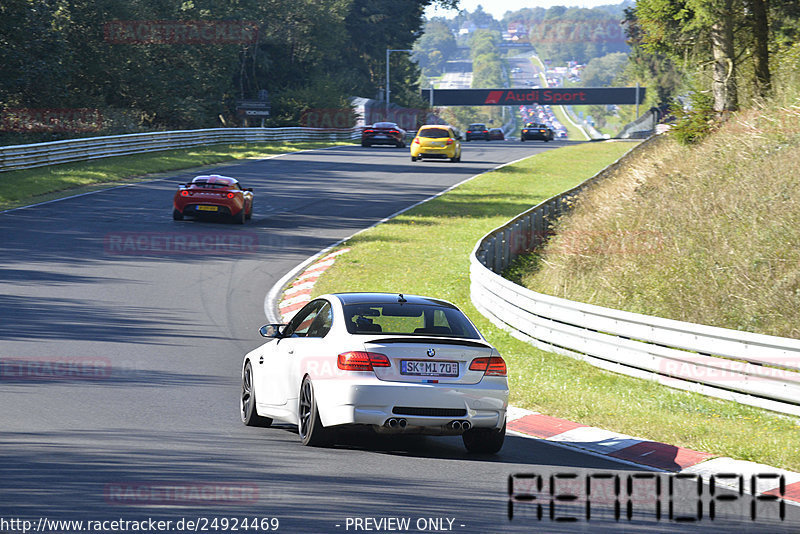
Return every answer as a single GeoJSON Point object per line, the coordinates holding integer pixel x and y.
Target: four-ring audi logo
{"type": "Point", "coordinates": [431, 352]}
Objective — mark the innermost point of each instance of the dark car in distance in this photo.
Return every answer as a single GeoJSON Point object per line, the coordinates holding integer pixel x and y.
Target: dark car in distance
{"type": "Point", "coordinates": [477, 131]}
{"type": "Point", "coordinates": [496, 134]}
{"type": "Point", "coordinates": [383, 133]}
{"type": "Point", "coordinates": [534, 131]}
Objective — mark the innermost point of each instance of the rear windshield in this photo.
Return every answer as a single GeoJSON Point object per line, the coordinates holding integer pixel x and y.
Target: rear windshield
{"type": "Point", "coordinates": [384, 125]}
{"type": "Point", "coordinates": [217, 185]}
{"type": "Point", "coordinates": [477, 126]}
{"type": "Point", "coordinates": [435, 133]}
{"type": "Point", "coordinates": [408, 319]}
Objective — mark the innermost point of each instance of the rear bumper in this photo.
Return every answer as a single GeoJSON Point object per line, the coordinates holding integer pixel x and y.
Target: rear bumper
{"type": "Point", "coordinates": [433, 152]}
{"type": "Point", "coordinates": [427, 408]}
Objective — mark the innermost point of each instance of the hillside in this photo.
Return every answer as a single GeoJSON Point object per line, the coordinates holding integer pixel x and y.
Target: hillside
{"type": "Point", "coordinates": [708, 234]}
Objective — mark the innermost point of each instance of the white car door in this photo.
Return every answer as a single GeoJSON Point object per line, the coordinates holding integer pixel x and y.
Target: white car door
{"type": "Point", "coordinates": [284, 364]}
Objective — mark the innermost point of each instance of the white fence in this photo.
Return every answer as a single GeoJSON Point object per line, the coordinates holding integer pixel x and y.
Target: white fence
{"type": "Point", "coordinates": [749, 368]}
{"type": "Point", "coordinates": [41, 154]}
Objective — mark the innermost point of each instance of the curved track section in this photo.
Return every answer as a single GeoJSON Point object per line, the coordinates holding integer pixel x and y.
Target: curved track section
{"type": "Point", "coordinates": [121, 338]}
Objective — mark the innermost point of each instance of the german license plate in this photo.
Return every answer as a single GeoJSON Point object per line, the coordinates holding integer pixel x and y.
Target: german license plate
{"type": "Point", "coordinates": [207, 208]}
{"type": "Point", "coordinates": [428, 368]}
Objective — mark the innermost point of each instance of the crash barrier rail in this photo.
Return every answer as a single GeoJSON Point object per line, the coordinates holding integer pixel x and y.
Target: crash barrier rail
{"type": "Point", "coordinates": [642, 127]}
{"type": "Point", "coordinates": [748, 368]}
{"type": "Point", "coordinates": [41, 154]}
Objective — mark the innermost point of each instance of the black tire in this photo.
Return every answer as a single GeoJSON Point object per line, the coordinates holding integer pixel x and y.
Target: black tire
{"type": "Point", "coordinates": [456, 159]}
{"type": "Point", "coordinates": [484, 440]}
{"type": "Point", "coordinates": [176, 215]}
{"type": "Point", "coordinates": [249, 214]}
{"type": "Point", "coordinates": [414, 158]}
{"type": "Point", "coordinates": [310, 428]}
{"type": "Point", "coordinates": [521, 139]}
{"type": "Point", "coordinates": [241, 216]}
{"type": "Point", "coordinates": [366, 145]}
{"type": "Point", "coordinates": [247, 401]}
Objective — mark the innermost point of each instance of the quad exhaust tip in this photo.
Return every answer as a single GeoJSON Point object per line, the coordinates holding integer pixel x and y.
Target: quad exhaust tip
{"type": "Point", "coordinates": [394, 422]}
{"type": "Point", "coordinates": [460, 425]}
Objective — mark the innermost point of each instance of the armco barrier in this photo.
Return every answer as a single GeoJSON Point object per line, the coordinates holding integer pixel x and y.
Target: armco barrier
{"type": "Point", "coordinates": [749, 368]}
{"type": "Point", "coordinates": [41, 154]}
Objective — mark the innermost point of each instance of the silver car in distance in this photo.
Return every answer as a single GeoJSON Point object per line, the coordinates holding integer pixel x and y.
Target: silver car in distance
{"type": "Point", "coordinates": [396, 363]}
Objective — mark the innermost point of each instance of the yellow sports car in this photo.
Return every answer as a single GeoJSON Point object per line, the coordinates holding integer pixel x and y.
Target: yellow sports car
{"type": "Point", "coordinates": [436, 141]}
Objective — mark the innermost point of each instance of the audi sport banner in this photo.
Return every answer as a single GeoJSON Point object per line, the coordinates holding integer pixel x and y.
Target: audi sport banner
{"type": "Point", "coordinates": [509, 97]}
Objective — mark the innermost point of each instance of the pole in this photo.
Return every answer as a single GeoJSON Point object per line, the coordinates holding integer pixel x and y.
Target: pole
{"type": "Point", "coordinates": [387, 85]}
{"type": "Point", "coordinates": [637, 100]}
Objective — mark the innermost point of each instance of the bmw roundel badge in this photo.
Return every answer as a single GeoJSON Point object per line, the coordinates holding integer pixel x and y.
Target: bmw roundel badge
{"type": "Point", "coordinates": [431, 352]}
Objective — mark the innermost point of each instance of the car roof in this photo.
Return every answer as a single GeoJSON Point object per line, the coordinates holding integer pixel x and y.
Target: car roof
{"type": "Point", "coordinates": [387, 298]}
{"type": "Point", "coordinates": [216, 179]}
{"type": "Point", "coordinates": [436, 126]}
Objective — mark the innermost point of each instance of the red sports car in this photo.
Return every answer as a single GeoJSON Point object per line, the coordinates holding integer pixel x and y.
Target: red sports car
{"type": "Point", "coordinates": [213, 195]}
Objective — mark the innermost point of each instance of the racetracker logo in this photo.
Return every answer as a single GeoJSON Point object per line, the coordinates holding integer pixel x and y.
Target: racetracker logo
{"type": "Point", "coordinates": [582, 243]}
{"type": "Point", "coordinates": [698, 368]}
{"type": "Point", "coordinates": [180, 493]}
{"type": "Point", "coordinates": [169, 243]}
{"type": "Point", "coordinates": [566, 32]}
{"type": "Point", "coordinates": [23, 120]}
{"type": "Point", "coordinates": [180, 32]}
{"type": "Point", "coordinates": [62, 368]}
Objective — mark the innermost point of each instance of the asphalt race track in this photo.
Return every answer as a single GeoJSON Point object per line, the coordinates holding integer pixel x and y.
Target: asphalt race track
{"type": "Point", "coordinates": [121, 339]}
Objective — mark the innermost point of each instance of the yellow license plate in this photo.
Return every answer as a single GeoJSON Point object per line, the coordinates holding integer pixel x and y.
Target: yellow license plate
{"type": "Point", "coordinates": [207, 208]}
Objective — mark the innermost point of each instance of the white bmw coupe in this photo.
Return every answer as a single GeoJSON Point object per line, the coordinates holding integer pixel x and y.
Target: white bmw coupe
{"type": "Point", "coordinates": [398, 364]}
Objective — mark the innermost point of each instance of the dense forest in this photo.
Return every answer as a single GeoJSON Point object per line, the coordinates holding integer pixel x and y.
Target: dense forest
{"type": "Point", "coordinates": [149, 65]}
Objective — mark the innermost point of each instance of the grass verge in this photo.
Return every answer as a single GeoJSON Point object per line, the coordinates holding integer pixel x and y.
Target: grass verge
{"type": "Point", "coordinates": [29, 186]}
{"type": "Point", "coordinates": [426, 251]}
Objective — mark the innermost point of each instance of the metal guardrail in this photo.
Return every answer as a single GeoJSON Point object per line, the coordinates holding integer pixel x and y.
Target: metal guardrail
{"type": "Point", "coordinates": [748, 368]}
{"type": "Point", "coordinates": [41, 154]}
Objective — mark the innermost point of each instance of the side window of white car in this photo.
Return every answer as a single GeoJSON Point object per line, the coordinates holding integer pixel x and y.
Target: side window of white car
{"type": "Point", "coordinates": [322, 322]}
{"type": "Point", "coordinates": [300, 324]}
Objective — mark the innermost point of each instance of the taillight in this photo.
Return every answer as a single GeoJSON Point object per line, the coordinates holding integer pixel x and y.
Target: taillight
{"type": "Point", "coordinates": [369, 131]}
{"type": "Point", "coordinates": [486, 131]}
{"type": "Point", "coordinates": [361, 361]}
{"type": "Point", "coordinates": [494, 366]}
{"type": "Point", "coordinates": [449, 142]}
{"type": "Point", "coordinates": [416, 140]}
{"type": "Point", "coordinates": [394, 132]}
{"type": "Point", "coordinates": [231, 195]}
{"type": "Point", "coordinates": [184, 193]}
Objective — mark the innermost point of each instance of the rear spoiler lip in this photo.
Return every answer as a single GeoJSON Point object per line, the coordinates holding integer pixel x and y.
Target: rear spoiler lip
{"type": "Point", "coordinates": [432, 340]}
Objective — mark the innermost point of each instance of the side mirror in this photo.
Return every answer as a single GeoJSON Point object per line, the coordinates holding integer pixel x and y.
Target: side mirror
{"type": "Point", "coordinates": [271, 330]}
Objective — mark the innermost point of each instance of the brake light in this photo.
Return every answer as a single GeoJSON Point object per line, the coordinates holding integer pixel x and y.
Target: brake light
{"type": "Point", "coordinates": [361, 361]}
{"type": "Point", "coordinates": [486, 131]}
{"type": "Point", "coordinates": [494, 366]}
{"type": "Point", "coordinates": [394, 132]}
{"type": "Point", "coordinates": [369, 131]}
{"type": "Point", "coordinates": [184, 193]}
{"type": "Point", "coordinates": [231, 195]}
{"type": "Point", "coordinates": [449, 142]}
